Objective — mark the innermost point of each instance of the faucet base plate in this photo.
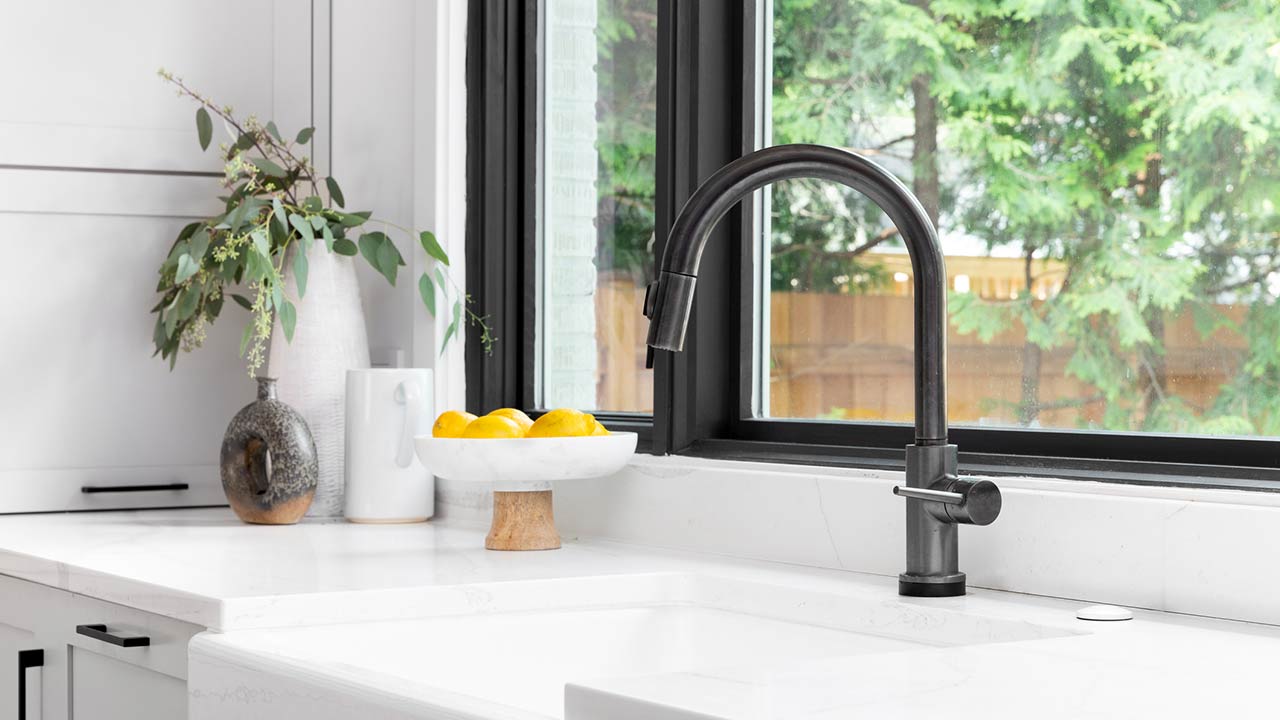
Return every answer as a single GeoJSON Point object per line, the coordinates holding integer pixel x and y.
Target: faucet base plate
{"type": "Point", "coordinates": [912, 588]}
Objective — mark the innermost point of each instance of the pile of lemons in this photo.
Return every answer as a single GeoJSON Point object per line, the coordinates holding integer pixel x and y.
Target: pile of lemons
{"type": "Point", "coordinates": [511, 423]}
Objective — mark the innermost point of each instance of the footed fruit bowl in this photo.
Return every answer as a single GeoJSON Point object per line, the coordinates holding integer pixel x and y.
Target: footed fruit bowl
{"type": "Point", "coordinates": [521, 471]}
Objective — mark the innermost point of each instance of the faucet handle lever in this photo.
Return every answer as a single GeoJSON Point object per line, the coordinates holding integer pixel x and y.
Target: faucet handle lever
{"type": "Point", "coordinates": [942, 496]}
{"type": "Point", "coordinates": [965, 501]}
{"type": "Point", "coordinates": [650, 299]}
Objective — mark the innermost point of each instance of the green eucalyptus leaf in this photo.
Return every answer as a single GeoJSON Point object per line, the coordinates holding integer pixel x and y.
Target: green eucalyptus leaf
{"type": "Point", "coordinates": [454, 328]}
{"type": "Point", "coordinates": [245, 141]}
{"type": "Point", "coordinates": [427, 290]}
{"type": "Point", "coordinates": [432, 246]}
{"type": "Point", "coordinates": [343, 246]}
{"type": "Point", "coordinates": [300, 270]}
{"type": "Point", "coordinates": [244, 339]}
{"type": "Point", "coordinates": [256, 266]}
{"type": "Point", "coordinates": [231, 269]}
{"type": "Point", "coordinates": [354, 219]}
{"type": "Point", "coordinates": [275, 131]}
{"type": "Point", "coordinates": [318, 222]}
{"type": "Point", "coordinates": [179, 249]}
{"type": "Point", "coordinates": [448, 335]}
{"type": "Point", "coordinates": [188, 301]}
{"type": "Point", "coordinates": [204, 128]}
{"type": "Point", "coordinates": [261, 243]}
{"type": "Point", "coordinates": [278, 208]}
{"type": "Point", "coordinates": [186, 269]}
{"type": "Point", "coordinates": [304, 135]}
{"type": "Point", "coordinates": [245, 210]}
{"type": "Point", "coordinates": [369, 244]}
{"type": "Point", "coordinates": [269, 167]}
{"type": "Point", "coordinates": [277, 295]}
{"type": "Point", "coordinates": [158, 336]}
{"type": "Point", "coordinates": [188, 230]}
{"type": "Point", "coordinates": [288, 320]}
{"type": "Point", "coordinates": [242, 301]}
{"type": "Point", "coordinates": [213, 308]}
{"type": "Point", "coordinates": [199, 244]}
{"type": "Point", "coordinates": [335, 192]}
{"type": "Point", "coordinates": [171, 317]}
{"type": "Point", "coordinates": [164, 300]}
{"type": "Point", "coordinates": [389, 259]}
{"type": "Point", "coordinates": [328, 237]}
{"type": "Point", "coordinates": [303, 227]}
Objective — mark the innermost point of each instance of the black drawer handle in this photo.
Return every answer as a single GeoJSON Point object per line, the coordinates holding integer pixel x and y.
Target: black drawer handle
{"type": "Point", "coordinates": [91, 489]}
{"type": "Point", "coordinates": [99, 632]}
{"type": "Point", "coordinates": [26, 659]}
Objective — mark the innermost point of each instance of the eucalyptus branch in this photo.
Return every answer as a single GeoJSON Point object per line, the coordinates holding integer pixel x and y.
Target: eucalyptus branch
{"type": "Point", "coordinates": [258, 134]}
{"type": "Point", "coordinates": [265, 228]}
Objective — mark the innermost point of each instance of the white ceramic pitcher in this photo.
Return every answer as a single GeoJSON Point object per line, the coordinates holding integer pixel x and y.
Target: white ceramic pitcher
{"type": "Point", "coordinates": [386, 483]}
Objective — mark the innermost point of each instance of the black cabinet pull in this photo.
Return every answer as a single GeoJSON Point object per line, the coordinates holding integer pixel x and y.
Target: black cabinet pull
{"type": "Point", "coordinates": [26, 659]}
{"type": "Point", "coordinates": [92, 489]}
{"type": "Point", "coordinates": [99, 632]}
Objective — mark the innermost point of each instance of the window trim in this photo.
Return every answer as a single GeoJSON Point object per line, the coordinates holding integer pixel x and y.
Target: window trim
{"type": "Point", "coordinates": [702, 402]}
{"type": "Point", "coordinates": [502, 74]}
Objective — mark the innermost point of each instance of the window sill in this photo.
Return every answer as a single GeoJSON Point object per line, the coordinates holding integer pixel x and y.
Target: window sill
{"type": "Point", "coordinates": [1118, 472]}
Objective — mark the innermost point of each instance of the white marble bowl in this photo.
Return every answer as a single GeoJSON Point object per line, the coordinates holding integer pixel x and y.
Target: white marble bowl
{"type": "Point", "coordinates": [525, 464]}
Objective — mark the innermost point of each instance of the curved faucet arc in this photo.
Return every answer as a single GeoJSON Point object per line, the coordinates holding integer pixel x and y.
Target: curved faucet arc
{"type": "Point", "coordinates": [672, 304]}
{"type": "Point", "coordinates": [937, 498]}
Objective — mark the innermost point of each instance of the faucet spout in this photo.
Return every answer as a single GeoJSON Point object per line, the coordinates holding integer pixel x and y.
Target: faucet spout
{"type": "Point", "coordinates": [671, 302]}
{"type": "Point", "coordinates": [937, 498]}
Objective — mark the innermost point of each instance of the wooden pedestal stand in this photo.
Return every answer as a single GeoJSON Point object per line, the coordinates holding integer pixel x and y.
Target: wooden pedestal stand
{"type": "Point", "coordinates": [522, 521]}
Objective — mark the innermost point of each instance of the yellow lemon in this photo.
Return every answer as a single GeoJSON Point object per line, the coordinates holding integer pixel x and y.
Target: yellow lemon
{"type": "Point", "coordinates": [516, 416]}
{"type": "Point", "coordinates": [451, 423]}
{"type": "Point", "coordinates": [600, 429]}
{"type": "Point", "coordinates": [493, 426]}
{"type": "Point", "coordinates": [563, 422]}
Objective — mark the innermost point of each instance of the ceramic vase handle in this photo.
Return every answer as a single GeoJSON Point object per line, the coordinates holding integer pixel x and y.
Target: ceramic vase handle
{"type": "Point", "coordinates": [410, 395]}
{"type": "Point", "coordinates": [259, 464]}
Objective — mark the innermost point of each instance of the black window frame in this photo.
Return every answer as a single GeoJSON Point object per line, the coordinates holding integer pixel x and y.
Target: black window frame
{"type": "Point", "coordinates": [702, 396]}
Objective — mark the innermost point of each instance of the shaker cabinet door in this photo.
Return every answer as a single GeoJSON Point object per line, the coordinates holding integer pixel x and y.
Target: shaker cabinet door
{"type": "Point", "coordinates": [104, 688]}
{"type": "Point", "coordinates": [21, 673]}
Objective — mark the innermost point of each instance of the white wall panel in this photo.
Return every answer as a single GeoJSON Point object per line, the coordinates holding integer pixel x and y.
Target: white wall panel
{"type": "Point", "coordinates": [99, 170]}
{"type": "Point", "coordinates": [374, 132]}
{"type": "Point", "coordinates": [80, 86]}
{"type": "Point", "coordinates": [80, 387]}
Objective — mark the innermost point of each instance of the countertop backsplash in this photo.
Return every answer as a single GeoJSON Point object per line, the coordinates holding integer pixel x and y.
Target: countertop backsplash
{"type": "Point", "coordinates": [1173, 549]}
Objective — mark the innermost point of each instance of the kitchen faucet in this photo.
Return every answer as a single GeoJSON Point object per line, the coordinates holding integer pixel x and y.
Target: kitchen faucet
{"type": "Point", "coordinates": [937, 498]}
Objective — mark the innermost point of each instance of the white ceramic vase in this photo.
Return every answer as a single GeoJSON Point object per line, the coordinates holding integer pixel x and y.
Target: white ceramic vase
{"type": "Point", "coordinates": [329, 339]}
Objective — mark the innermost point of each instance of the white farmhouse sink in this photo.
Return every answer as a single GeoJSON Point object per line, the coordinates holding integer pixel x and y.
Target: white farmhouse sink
{"type": "Point", "coordinates": [514, 654]}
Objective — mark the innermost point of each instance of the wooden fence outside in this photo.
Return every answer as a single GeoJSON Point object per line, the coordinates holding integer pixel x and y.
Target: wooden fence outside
{"type": "Point", "coordinates": [850, 356]}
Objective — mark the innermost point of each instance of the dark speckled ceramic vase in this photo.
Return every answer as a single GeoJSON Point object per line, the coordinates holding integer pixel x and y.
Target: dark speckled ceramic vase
{"type": "Point", "coordinates": [269, 466]}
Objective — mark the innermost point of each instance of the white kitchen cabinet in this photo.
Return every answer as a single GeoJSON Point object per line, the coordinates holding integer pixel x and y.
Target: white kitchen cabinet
{"type": "Point", "coordinates": [103, 688]}
{"type": "Point", "coordinates": [20, 671]}
{"type": "Point", "coordinates": [95, 666]}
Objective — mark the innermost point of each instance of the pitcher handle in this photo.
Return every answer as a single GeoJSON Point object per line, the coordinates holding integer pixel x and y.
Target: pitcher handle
{"type": "Point", "coordinates": [410, 395]}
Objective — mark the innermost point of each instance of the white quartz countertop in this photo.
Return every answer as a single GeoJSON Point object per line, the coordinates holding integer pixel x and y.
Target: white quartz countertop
{"type": "Point", "coordinates": [205, 567]}
{"type": "Point", "coordinates": [351, 619]}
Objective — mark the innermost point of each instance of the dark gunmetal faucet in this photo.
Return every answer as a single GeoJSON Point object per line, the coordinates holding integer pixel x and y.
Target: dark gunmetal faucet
{"type": "Point", "coordinates": [937, 498]}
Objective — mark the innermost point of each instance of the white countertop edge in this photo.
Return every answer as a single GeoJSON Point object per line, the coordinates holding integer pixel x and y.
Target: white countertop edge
{"type": "Point", "coordinates": [354, 690]}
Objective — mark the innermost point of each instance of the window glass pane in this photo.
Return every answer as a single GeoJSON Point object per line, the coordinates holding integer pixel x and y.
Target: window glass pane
{"type": "Point", "coordinates": [1104, 177]}
{"type": "Point", "coordinates": [598, 126]}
